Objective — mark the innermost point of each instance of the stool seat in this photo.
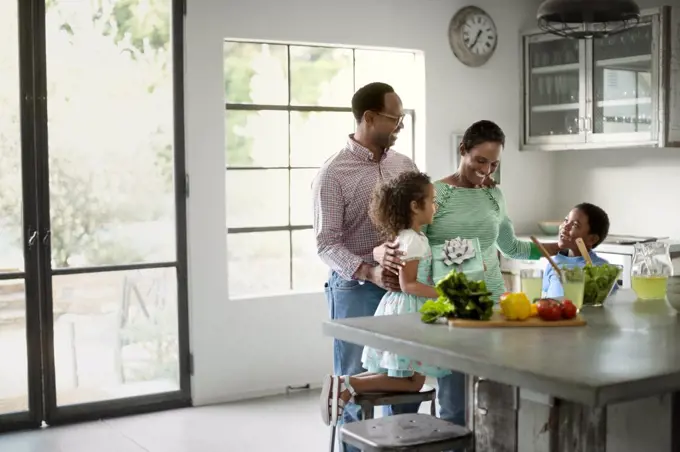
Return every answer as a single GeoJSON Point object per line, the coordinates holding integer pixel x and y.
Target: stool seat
{"type": "Point", "coordinates": [406, 432]}
{"type": "Point", "coordinates": [368, 401]}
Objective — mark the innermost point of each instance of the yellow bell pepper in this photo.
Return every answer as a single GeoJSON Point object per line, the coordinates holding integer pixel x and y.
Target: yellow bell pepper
{"type": "Point", "coordinates": [534, 310]}
{"type": "Point", "coordinates": [515, 306]}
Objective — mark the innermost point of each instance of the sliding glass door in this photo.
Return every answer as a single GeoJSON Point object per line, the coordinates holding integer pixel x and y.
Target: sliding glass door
{"type": "Point", "coordinates": [20, 377]}
{"type": "Point", "coordinates": [104, 241]}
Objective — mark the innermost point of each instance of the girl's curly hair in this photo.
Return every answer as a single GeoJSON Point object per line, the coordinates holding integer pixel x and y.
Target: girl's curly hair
{"type": "Point", "coordinates": [390, 208]}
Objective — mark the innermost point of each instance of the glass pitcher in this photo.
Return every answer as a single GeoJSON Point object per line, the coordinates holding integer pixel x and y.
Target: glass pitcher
{"type": "Point", "coordinates": [650, 270]}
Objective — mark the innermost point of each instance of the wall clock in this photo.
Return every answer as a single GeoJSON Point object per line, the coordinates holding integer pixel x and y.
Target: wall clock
{"type": "Point", "coordinates": [472, 36]}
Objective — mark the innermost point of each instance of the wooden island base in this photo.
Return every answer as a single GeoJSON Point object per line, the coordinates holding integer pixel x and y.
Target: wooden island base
{"type": "Point", "coordinates": [509, 419]}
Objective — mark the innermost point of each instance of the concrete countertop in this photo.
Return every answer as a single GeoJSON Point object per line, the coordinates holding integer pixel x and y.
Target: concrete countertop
{"type": "Point", "coordinates": [629, 350]}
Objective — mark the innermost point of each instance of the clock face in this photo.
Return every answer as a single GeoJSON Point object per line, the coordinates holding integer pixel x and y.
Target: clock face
{"type": "Point", "coordinates": [479, 34]}
{"type": "Point", "coordinates": [473, 36]}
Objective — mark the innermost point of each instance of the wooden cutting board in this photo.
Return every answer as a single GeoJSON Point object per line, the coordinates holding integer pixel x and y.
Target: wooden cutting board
{"type": "Point", "coordinates": [498, 321]}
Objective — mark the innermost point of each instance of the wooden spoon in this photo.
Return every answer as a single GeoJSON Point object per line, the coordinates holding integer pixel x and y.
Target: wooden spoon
{"type": "Point", "coordinates": [584, 251]}
{"type": "Point", "coordinates": [547, 256]}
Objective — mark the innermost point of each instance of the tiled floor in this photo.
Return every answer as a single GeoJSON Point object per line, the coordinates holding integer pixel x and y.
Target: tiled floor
{"type": "Point", "coordinates": [283, 423]}
{"type": "Point", "coordinates": [279, 423]}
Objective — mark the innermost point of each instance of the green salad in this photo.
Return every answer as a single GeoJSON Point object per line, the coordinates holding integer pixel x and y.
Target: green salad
{"type": "Point", "coordinates": [458, 297]}
{"type": "Point", "coordinates": [433, 310]}
{"type": "Point", "coordinates": [599, 280]}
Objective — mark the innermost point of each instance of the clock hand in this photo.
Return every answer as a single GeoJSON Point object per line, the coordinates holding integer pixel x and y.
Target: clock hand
{"type": "Point", "coordinates": [479, 33]}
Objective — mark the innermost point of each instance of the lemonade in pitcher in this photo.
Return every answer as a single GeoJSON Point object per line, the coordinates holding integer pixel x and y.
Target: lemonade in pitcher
{"type": "Point", "coordinates": [649, 287]}
{"type": "Point", "coordinates": [651, 268]}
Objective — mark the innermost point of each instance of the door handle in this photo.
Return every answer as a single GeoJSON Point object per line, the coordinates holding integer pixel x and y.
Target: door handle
{"type": "Point", "coordinates": [46, 237]}
{"type": "Point", "coordinates": [32, 237]}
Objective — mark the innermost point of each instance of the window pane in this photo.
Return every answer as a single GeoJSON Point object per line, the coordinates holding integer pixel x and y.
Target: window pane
{"type": "Point", "coordinates": [256, 138]}
{"type": "Point", "coordinates": [314, 137]}
{"type": "Point", "coordinates": [309, 273]}
{"type": "Point", "coordinates": [321, 76]}
{"type": "Point", "coordinates": [259, 263]}
{"type": "Point", "coordinates": [301, 210]}
{"type": "Point", "coordinates": [11, 221]}
{"type": "Point", "coordinates": [554, 96]}
{"type": "Point", "coordinates": [404, 144]}
{"type": "Point", "coordinates": [255, 73]}
{"type": "Point", "coordinates": [13, 349]}
{"type": "Point", "coordinates": [622, 87]}
{"type": "Point", "coordinates": [14, 369]}
{"type": "Point", "coordinates": [399, 69]}
{"type": "Point", "coordinates": [115, 334]}
{"type": "Point", "coordinates": [111, 138]}
{"type": "Point", "coordinates": [257, 198]}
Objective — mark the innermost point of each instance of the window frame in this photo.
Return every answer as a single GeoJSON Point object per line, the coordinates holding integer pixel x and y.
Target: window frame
{"type": "Point", "coordinates": [290, 109]}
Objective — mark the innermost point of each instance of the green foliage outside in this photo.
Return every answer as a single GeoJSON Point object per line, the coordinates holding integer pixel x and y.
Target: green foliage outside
{"type": "Point", "coordinates": [310, 70]}
{"type": "Point", "coordinates": [110, 156]}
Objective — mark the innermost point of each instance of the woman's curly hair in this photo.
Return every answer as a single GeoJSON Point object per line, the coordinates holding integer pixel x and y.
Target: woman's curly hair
{"type": "Point", "coordinates": [390, 208]}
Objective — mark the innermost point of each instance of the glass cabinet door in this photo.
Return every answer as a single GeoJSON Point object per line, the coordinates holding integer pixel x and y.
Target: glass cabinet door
{"type": "Point", "coordinates": [624, 88]}
{"type": "Point", "coordinates": [554, 90]}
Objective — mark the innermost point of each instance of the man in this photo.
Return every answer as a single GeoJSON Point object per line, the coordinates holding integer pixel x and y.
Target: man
{"type": "Point", "coordinates": [345, 236]}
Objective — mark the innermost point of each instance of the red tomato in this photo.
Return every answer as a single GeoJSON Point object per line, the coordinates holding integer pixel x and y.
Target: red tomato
{"type": "Point", "coordinates": [549, 309]}
{"type": "Point", "coordinates": [569, 311]}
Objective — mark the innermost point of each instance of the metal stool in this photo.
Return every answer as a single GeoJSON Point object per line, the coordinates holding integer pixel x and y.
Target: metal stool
{"type": "Point", "coordinates": [369, 401]}
{"type": "Point", "coordinates": [407, 432]}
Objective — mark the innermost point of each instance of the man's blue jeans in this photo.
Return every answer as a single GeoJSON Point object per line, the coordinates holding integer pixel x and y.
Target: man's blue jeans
{"type": "Point", "coordinates": [348, 299]}
{"type": "Point", "coordinates": [451, 395]}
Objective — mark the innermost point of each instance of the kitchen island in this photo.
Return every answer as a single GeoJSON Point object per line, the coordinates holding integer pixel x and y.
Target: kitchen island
{"type": "Point", "coordinates": [609, 386]}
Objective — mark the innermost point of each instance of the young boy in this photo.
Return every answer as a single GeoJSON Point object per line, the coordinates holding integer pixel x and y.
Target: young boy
{"type": "Point", "coordinates": [588, 222]}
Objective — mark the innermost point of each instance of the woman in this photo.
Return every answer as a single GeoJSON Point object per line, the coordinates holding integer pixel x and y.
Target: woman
{"type": "Point", "coordinates": [469, 205]}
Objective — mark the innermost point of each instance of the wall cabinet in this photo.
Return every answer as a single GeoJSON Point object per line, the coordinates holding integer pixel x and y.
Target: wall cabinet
{"type": "Point", "coordinates": [610, 92]}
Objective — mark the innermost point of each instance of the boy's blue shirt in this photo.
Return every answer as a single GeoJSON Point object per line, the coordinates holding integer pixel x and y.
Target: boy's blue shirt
{"type": "Point", "coordinates": [552, 286]}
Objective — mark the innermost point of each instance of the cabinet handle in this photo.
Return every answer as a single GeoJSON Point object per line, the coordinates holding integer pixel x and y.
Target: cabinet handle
{"type": "Point", "coordinates": [589, 124]}
{"type": "Point", "coordinates": [581, 124]}
{"type": "Point", "coordinates": [481, 410]}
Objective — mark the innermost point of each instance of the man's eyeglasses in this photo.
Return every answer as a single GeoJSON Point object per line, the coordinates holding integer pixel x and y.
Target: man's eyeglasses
{"type": "Point", "coordinates": [399, 119]}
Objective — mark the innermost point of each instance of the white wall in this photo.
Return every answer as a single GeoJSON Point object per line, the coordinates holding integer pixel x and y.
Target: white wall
{"type": "Point", "coordinates": [253, 347]}
{"type": "Point", "coordinates": [639, 188]}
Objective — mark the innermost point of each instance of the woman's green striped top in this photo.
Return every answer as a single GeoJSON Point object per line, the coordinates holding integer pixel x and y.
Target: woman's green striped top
{"type": "Point", "coordinates": [479, 212]}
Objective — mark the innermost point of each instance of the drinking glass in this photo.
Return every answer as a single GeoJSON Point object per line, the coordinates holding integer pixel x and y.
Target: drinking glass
{"type": "Point", "coordinates": [532, 282]}
{"type": "Point", "coordinates": [574, 283]}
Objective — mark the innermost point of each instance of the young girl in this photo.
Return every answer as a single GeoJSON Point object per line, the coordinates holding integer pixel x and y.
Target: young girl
{"type": "Point", "coordinates": [398, 209]}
